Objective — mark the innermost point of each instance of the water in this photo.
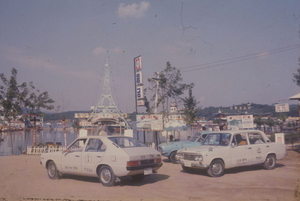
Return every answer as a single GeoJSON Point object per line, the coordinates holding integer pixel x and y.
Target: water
{"type": "Point", "coordinates": [14, 143]}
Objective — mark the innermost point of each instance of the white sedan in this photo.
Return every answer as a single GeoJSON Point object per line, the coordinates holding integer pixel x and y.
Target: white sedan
{"type": "Point", "coordinates": [105, 157]}
{"type": "Point", "coordinates": [226, 149]}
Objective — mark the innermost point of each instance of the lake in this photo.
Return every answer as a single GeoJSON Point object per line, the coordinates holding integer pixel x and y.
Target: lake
{"type": "Point", "coordinates": [13, 143]}
{"type": "Point", "coordinates": [16, 142]}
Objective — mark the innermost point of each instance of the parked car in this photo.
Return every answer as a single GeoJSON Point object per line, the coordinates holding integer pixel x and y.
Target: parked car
{"type": "Point", "coordinates": [106, 157]}
{"type": "Point", "coordinates": [226, 149]}
{"type": "Point", "coordinates": [169, 149]}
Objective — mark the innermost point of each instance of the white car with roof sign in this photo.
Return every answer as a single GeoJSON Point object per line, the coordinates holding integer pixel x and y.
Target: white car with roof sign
{"type": "Point", "coordinates": [105, 157]}
{"type": "Point", "coordinates": [226, 149]}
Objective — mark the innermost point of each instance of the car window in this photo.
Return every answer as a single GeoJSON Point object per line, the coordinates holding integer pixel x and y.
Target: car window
{"type": "Point", "coordinates": [95, 145]}
{"type": "Point", "coordinates": [195, 137]}
{"type": "Point", "coordinates": [124, 142]}
{"type": "Point", "coordinates": [256, 138]}
{"type": "Point", "coordinates": [218, 139]}
{"type": "Point", "coordinates": [78, 145]}
{"type": "Point", "coordinates": [202, 138]}
{"type": "Point", "coordinates": [240, 139]}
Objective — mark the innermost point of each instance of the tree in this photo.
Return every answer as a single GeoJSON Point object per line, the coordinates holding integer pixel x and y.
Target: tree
{"type": "Point", "coordinates": [15, 98]}
{"type": "Point", "coordinates": [169, 85]}
{"type": "Point", "coordinates": [34, 101]}
{"type": "Point", "coordinates": [297, 76]}
{"type": "Point", "coordinates": [10, 96]}
{"type": "Point", "coordinates": [190, 108]}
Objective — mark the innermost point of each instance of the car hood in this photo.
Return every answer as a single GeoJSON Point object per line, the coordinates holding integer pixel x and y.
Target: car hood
{"type": "Point", "coordinates": [202, 149]}
{"type": "Point", "coordinates": [139, 153]}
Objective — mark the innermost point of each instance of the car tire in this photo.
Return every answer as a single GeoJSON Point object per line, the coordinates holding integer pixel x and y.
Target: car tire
{"type": "Point", "coordinates": [138, 177]}
{"type": "Point", "coordinates": [172, 157]}
{"type": "Point", "coordinates": [270, 162]}
{"type": "Point", "coordinates": [52, 171]}
{"type": "Point", "coordinates": [106, 176]}
{"type": "Point", "coordinates": [216, 168]}
{"type": "Point", "coordinates": [186, 169]}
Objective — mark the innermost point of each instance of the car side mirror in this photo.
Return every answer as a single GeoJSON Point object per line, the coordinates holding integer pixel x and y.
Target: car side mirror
{"type": "Point", "coordinates": [233, 145]}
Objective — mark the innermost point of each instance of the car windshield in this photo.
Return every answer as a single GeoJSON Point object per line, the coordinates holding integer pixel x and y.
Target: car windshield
{"type": "Point", "coordinates": [217, 139]}
{"type": "Point", "coordinates": [125, 142]}
{"type": "Point", "coordinates": [195, 137]}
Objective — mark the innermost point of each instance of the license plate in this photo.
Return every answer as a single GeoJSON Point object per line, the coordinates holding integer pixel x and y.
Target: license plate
{"type": "Point", "coordinates": [188, 163]}
{"type": "Point", "coordinates": [147, 171]}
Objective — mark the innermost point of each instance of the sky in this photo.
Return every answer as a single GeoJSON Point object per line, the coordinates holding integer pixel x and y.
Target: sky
{"type": "Point", "coordinates": [233, 51]}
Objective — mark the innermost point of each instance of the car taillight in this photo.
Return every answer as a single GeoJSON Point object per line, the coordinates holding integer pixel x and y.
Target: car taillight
{"type": "Point", "coordinates": [158, 160]}
{"type": "Point", "coordinates": [132, 163]}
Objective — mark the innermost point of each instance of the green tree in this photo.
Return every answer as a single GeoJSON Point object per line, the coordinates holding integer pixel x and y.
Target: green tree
{"type": "Point", "coordinates": [190, 108]}
{"type": "Point", "coordinates": [34, 101]}
{"type": "Point", "coordinates": [259, 121]}
{"type": "Point", "coordinates": [169, 85]}
{"type": "Point", "coordinates": [297, 75]}
{"type": "Point", "coordinates": [10, 96]}
{"type": "Point", "coordinates": [15, 98]}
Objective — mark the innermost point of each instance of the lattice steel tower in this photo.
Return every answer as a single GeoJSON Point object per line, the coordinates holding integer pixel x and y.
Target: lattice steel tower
{"type": "Point", "coordinates": [106, 109]}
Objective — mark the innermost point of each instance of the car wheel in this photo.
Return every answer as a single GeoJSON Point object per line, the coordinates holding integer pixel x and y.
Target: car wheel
{"type": "Point", "coordinates": [106, 176]}
{"type": "Point", "coordinates": [270, 162]}
{"type": "Point", "coordinates": [138, 177]}
{"type": "Point", "coordinates": [187, 169]}
{"type": "Point", "coordinates": [52, 171]}
{"type": "Point", "coordinates": [172, 156]}
{"type": "Point", "coordinates": [216, 168]}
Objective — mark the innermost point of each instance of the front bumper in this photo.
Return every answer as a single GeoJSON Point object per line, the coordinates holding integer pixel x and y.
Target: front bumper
{"type": "Point", "coordinates": [192, 164]}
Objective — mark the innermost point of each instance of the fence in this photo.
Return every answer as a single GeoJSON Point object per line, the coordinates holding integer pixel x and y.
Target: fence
{"type": "Point", "coordinates": [39, 150]}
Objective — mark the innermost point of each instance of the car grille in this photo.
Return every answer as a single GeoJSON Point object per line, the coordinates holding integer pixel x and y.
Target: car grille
{"type": "Point", "coordinates": [190, 157]}
{"type": "Point", "coordinates": [145, 162]}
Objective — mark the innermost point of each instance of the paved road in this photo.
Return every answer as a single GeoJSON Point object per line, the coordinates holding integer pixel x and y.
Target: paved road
{"type": "Point", "coordinates": [23, 178]}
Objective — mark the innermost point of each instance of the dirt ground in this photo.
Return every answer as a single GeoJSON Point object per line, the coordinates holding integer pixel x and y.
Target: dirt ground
{"type": "Point", "coordinates": [23, 178]}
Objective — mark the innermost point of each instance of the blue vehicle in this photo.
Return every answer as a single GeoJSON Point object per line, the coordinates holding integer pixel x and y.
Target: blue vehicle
{"type": "Point", "coordinates": [170, 149]}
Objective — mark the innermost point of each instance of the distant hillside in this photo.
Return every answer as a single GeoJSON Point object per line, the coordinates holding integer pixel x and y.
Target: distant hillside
{"type": "Point", "coordinates": [207, 112]}
{"type": "Point", "coordinates": [62, 115]}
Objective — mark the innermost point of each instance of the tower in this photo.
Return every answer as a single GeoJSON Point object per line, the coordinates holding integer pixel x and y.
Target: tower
{"type": "Point", "coordinates": [106, 111]}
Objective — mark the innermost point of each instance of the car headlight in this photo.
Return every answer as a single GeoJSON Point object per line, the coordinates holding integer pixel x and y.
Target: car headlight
{"type": "Point", "coordinates": [198, 158]}
{"type": "Point", "coordinates": [178, 156]}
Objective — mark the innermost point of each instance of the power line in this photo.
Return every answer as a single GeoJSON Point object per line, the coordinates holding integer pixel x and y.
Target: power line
{"type": "Point", "coordinates": [238, 59]}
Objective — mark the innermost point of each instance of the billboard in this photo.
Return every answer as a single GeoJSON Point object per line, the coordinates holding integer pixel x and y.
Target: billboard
{"type": "Point", "coordinates": [139, 81]}
{"type": "Point", "coordinates": [283, 107]}
{"type": "Point", "coordinates": [152, 122]}
{"type": "Point", "coordinates": [240, 121]}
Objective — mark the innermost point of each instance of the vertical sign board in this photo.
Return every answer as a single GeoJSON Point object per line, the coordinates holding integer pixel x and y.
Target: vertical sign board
{"type": "Point", "coordinates": [240, 121]}
{"type": "Point", "coordinates": [139, 81]}
{"type": "Point", "coordinates": [282, 107]}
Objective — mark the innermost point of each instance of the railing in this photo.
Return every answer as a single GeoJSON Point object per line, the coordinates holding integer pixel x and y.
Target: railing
{"type": "Point", "coordinates": [39, 150]}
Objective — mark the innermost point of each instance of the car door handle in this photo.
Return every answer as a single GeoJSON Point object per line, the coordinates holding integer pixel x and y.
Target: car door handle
{"type": "Point", "coordinates": [98, 156]}
{"type": "Point", "coordinates": [249, 147]}
{"type": "Point", "coordinates": [267, 146]}
{"type": "Point", "coordinates": [77, 156]}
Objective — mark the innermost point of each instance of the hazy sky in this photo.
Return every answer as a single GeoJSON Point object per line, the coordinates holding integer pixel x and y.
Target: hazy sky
{"type": "Point", "coordinates": [233, 51]}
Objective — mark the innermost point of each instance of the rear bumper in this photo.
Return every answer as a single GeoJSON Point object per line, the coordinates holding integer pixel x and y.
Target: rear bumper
{"type": "Point", "coordinates": [141, 167]}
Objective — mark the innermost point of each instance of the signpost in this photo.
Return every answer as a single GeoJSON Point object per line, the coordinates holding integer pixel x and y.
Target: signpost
{"type": "Point", "coordinates": [240, 121]}
{"type": "Point", "coordinates": [282, 107]}
{"type": "Point", "coordinates": [152, 122]}
{"type": "Point", "coordinates": [139, 90]}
